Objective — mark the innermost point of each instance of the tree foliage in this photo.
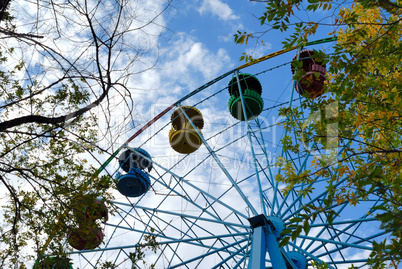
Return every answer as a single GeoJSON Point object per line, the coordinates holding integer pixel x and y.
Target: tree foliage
{"type": "Point", "coordinates": [363, 96]}
{"type": "Point", "coordinates": [62, 63]}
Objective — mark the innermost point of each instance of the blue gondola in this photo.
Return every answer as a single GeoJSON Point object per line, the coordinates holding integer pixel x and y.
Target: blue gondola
{"type": "Point", "coordinates": [135, 181]}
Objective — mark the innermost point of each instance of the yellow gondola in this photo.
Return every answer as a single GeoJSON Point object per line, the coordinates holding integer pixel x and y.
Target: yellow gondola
{"type": "Point", "coordinates": [183, 138]}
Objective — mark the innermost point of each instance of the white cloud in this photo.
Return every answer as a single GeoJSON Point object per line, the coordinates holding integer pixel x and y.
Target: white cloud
{"type": "Point", "coordinates": [184, 65]}
{"type": "Point", "coordinates": [218, 8]}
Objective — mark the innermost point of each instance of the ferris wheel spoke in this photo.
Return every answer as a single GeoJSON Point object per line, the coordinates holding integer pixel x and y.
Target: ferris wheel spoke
{"type": "Point", "coordinates": [222, 167]}
{"type": "Point", "coordinates": [310, 202]}
{"type": "Point", "coordinates": [293, 193]}
{"type": "Point", "coordinates": [241, 261]}
{"type": "Point", "coordinates": [269, 177]}
{"type": "Point", "coordinates": [182, 215]}
{"type": "Point", "coordinates": [227, 253]}
{"type": "Point", "coordinates": [339, 232]}
{"type": "Point", "coordinates": [356, 242]}
{"type": "Point", "coordinates": [260, 192]}
{"type": "Point", "coordinates": [181, 179]}
{"type": "Point", "coordinates": [269, 204]}
{"type": "Point", "coordinates": [192, 219]}
{"type": "Point", "coordinates": [195, 225]}
{"type": "Point", "coordinates": [350, 235]}
{"type": "Point", "coordinates": [309, 255]}
{"type": "Point", "coordinates": [335, 243]}
{"type": "Point", "coordinates": [195, 222]}
{"type": "Point", "coordinates": [214, 199]}
{"type": "Point", "coordinates": [186, 233]}
{"type": "Point", "coordinates": [121, 251]}
{"type": "Point", "coordinates": [162, 255]}
{"type": "Point", "coordinates": [88, 261]}
{"type": "Point", "coordinates": [218, 239]}
{"type": "Point", "coordinates": [231, 256]}
{"type": "Point", "coordinates": [330, 227]}
{"type": "Point", "coordinates": [352, 262]}
{"type": "Point", "coordinates": [115, 229]}
{"type": "Point", "coordinates": [196, 241]}
{"type": "Point", "coordinates": [322, 217]}
{"type": "Point", "coordinates": [232, 228]}
{"type": "Point", "coordinates": [354, 225]}
{"type": "Point", "coordinates": [316, 178]}
{"type": "Point", "coordinates": [283, 153]}
{"type": "Point", "coordinates": [126, 213]}
{"type": "Point", "coordinates": [351, 221]}
{"type": "Point", "coordinates": [136, 218]}
{"type": "Point", "coordinates": [224, 248]}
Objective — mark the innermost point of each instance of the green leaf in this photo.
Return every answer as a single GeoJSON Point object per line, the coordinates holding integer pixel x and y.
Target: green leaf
{"type": "Point", "coordinates": [306, 227]}
{"type": "Point", "coordinates": [296, 233]}
{"type": "Point", "coordinates": [284, 242]}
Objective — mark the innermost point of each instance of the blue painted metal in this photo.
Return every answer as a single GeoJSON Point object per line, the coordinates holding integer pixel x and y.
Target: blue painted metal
{"type": "Point", "coordinates": [231, 256]}
{"type": "Point", "coordinates": [133, 184]}
{"type": "Point", "coordinates": [258, 249]}
{"type": "Point", "coordinates": [196, 241]}
{"type": "Point", "coordinates": [282, 153]}
{"type": "Point", "coordinates": [183, 215]}
{"type": "Point", "coordinates": [343, 222]}
{"type": "Point", "coordinates": [271, 177]}
{"type": "Point", "coordinates": [365, 240]}
{"type": "Point", "coordinates": [308, 254]}
{"type": "Point", "coordinates": [298, 259]}
{"type": "Point", "coordinates": [266, 232]}
{"type": "Point", "coordinates": [225, 171]}
{"type": "Point", "coordinates": [351, 261]}
{"type": "Point", "coordinates": [166, 223]}
{"type": "Point", "coordinates": [336, 242]}
{"type": "Point", "coordinates": [242, 260]}
{"type": "Point", "coordinates": [309, 202]}
{"type": "Point", "coordinates": [198, 189]}
{"type": "Point", "coordinates": [346, 228]}
{"type": "Point", "coordinates": [300, 169]}
{"type": "Point", "coordinates": [274, 251]}
{"type": "Point", "coordinates": [206, 254]}
{"type": "Point", "coordinates": [192, 186]}
{"type": "Point", "coordinates": [298, 198]}
{"type": "Point", "coordinates": [263, 210]}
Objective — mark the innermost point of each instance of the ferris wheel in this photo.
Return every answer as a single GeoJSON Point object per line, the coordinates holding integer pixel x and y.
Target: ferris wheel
{"type": "Point", "coordinates": [199, 188]}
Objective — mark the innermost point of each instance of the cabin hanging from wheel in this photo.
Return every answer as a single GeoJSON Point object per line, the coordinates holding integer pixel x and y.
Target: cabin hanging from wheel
{"type": "Point", "coordinates": [183, 138]}
{"type": "Point", "coordinates": [133, 180]}
{"type": "Point", "coordinates": [88, 214]}
{"type": "Point", "coordinates": [88, 236]}
{"type": "Point", "coordinates": [312, 82]}
{"type": "Point", "coordinates": [251, 91]}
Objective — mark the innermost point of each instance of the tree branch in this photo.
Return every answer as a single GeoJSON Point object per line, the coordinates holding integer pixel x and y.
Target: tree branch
{"type": "Point", "coordinates": [49, 120]}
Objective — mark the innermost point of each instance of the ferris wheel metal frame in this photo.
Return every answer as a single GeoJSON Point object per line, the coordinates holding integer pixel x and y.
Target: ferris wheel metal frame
{"type": "Point", "coordinates": [246, 236]}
